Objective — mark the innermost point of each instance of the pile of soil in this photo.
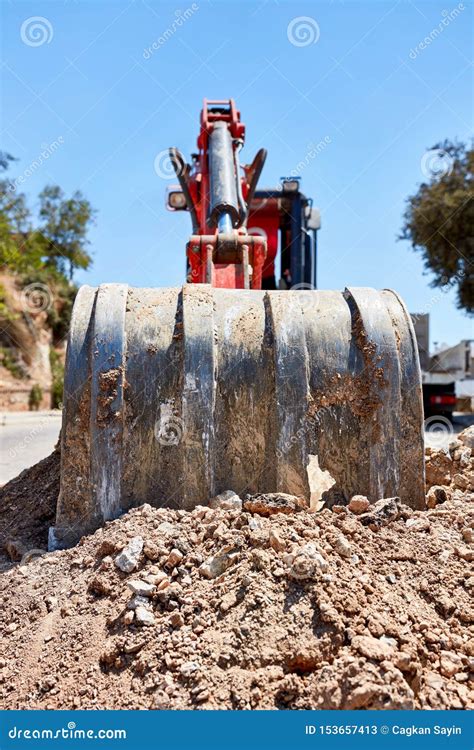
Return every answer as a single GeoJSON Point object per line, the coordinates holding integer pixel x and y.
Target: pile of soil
{"type": "Point", "coordinates": [28, 508]}
{"type": "Point", "coordinates": [265, 606]}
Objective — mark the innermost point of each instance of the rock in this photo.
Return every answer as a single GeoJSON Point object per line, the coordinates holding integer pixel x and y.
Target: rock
{"type": "Point", "coordinates": [156, 578]}
{"type": "Point", "coordinates": [15, 549]}
{"type": "Point", "coordinates": [305, 562]}
{"type": "Point", "coordinates": [228, 601]}
{"type": "Point", "coordinates": [273, 502]}
{"type": "Point", "coordinates": [460, 482]}
{"type": "Point", "coordinates": [358, 504]}
{"type": "Point", "coordinates": [215, 565]}
{"type": "Point", "coordinates": [176, 620]}
{"type": "Point", "coordinates": [275, 541]}
{"type": "Point", "coordinates": [372, 648]}
{"type": "Point", "coordinates": [465, 553]}
{"type": "Point", "coordinates": [128, 558]}
{"type": "Point", "coordinates": [133, 647]}
{"type": "Point", "coordinates": [468, 534]}
{"type": "Point", "coordinates": [261, 560]}
{"type": "Point", "coordinates": [51, 603]}
{"type": "Point", "coordinates": [100, 585]}
{"type": "Point", "coordinates": [466, 437]}
{"type": "Point", "coordinates": [437, 495]}
{"type": "Point", "coordinates": [302, 567]}
{"type": "Point", "coordinates": [151, 551]}
{"type": "Point", "coordinates": [403, 661]}
{"type": "Point", "coordinates": [189, 667]}
{"type": "Point", "coordinates": [465, 458]}
{"type": "Point", "coordinates": [138, 601]}
{"type": "Point", "coordinates": [141, 588]}
{"type": "Point", "coordinates": [438, 468]}
{"type": "Point", "coordinates": [168, 529]}
{"type": "Point", "coordinates": [450, 663]}
{"type": "Point", "coordinates": [392, 642]}
{"type": "Point", "coordinates": [342, 546]}
{"type": "Point", "coordinates": [144, 616]}
{"type": "Point", "coordinates": [128, 617]}
{"type": "Point", "coordinates": [312, 552]}
{"type": "Point", "coordinates": [381, 513]}
{"type": "Point", "coordinates": [454, 445]}
{"type": "Point", "coordinates": [202, 696]}
{"type": "Point", "coordinates": [417, 523]}
{"type": "Point", "coordinates": [175, 557]}
{"type": "Point", "coordinates": [227, 500]}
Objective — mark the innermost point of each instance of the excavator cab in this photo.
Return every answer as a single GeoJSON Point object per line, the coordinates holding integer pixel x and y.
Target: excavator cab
{"type": "Point", "coordinates": [285, 218]}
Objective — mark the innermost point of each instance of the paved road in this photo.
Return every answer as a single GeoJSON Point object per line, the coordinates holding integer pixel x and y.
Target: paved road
{"type": "Point", "coordinates": [26, 438]}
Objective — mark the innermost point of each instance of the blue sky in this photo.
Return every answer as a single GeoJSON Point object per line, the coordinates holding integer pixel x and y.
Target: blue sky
{"type": "Point", "coordinates": [356, 76]}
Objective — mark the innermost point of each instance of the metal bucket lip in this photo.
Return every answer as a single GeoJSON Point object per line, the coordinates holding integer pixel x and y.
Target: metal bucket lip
{"type": "Point", "coordinates": [225, 359]}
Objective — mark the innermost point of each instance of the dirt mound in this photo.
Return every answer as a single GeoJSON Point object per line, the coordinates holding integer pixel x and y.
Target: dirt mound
{"type": "Point", "coordinates": [454, 466]}
{"type": "Point", "coordinates": [224, 608]}
{"type": "Point", "coordinates": [28, 507]}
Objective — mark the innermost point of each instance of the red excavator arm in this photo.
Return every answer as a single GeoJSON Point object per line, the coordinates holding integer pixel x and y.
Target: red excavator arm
{"type": "Point", "coordinates": [218, 192]}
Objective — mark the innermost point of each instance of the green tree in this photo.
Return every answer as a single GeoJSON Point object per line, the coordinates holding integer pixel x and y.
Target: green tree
{"type": "Point", "coordinates": [20, 244]}
{"type": "Point", "coordinates": [64, 227]}
{"type": "Point", "coordinates": [439, 219]}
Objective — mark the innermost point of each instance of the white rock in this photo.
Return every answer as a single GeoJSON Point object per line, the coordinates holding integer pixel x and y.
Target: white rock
{"type": "Point", "coordinates": [141, 588]}
{"type": "Point", "coordinates": [417, 524]}
{"type": "Point", "coordinates": [128, 558]}
{"type": "Point", "coordinates": [168, 529]}
{"type": "Point", "coordinates": [138, 601]}
{"type": "Point", "coordinates": [228, 500]}
{"type": "Point", "coordinates": [392, 642]}
{"type": "Point", "coordinates": [312, 551]}
{"type": "Point", "coordinates": [217, 564]}
{"type": "Point", "coordinates": [144, 616]}
{"type": "Point", "coordinates": [189, 667]}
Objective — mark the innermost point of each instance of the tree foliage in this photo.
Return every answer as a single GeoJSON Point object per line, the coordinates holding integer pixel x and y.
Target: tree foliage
{"type": "Point", "coordinates": [64, 226]}
{"type": "Point", "coordinates": [439, 220]}
{"type": "Point", "coordinates": [56, 242]}
{"type": "Point", "coordinates": [46, 250]}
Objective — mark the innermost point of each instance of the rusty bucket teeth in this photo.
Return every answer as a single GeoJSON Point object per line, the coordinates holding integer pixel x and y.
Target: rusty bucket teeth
{"type": "Point", "coordinates": [173, 395]}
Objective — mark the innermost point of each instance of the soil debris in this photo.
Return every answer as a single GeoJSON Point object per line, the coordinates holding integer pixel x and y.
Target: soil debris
{"type": "Point", "coordinates": [228, 608]}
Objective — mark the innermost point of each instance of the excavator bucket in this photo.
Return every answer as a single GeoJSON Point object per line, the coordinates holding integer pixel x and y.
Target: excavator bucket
{"type": "Point", "coordinates": [173, 395]}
